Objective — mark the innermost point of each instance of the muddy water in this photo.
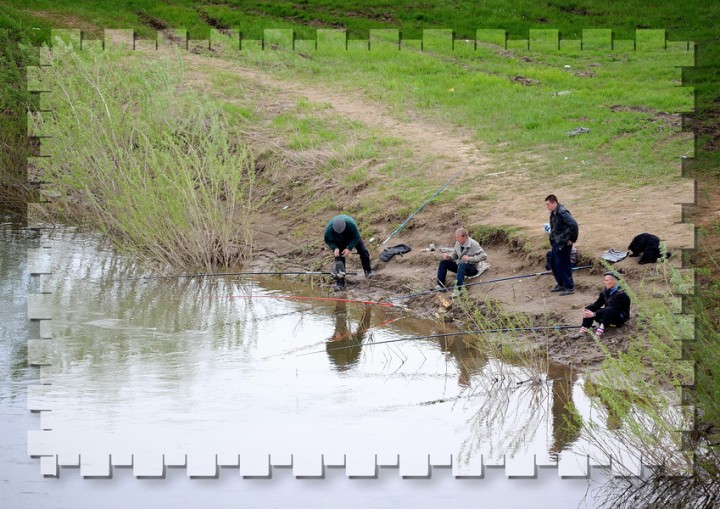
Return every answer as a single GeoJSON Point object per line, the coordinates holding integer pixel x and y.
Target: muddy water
{"type": "Point", "coordinates": [269, 366]}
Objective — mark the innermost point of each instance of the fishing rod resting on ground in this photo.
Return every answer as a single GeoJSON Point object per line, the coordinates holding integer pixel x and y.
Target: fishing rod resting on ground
{"type": "Point", "coordinates": [534, 274]}
{"type": "Point", "coordinates": [432, 198]}
{"type": "Point", "coordinates": [251, 273]}
{"type": "Point", "coordinates": [460, 333]}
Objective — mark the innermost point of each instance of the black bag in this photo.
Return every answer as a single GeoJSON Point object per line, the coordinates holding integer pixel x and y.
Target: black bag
{"type": "Point", "coordinates": [389, 252]}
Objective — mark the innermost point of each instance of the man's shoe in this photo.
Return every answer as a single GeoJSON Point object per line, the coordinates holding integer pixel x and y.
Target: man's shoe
{"type": "Point", "coordinates": [557, 288]}
{"type": "Point", "coordinates": [459, 291]}
{"type": "Point", "coordinates": [440, 288]}
{"type": "Point", "coordinates": [369, 274]}
{"type": "Point", "coordinates": [567, 291]}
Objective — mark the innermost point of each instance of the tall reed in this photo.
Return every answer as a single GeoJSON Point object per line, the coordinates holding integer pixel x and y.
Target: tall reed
{"type": "Point", "coordinates": [141, 157]}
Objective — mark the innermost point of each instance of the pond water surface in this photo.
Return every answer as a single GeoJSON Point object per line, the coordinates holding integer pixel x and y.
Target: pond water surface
{"type": "Point", "coordinates": [181, 368]}
{"type": "Point", "coordinates": [254, 367]}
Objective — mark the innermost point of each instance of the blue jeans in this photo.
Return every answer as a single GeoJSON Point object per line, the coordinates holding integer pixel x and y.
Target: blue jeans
{"type": "Point", "coordinates": [561, 266]}
{"type": "Point", "coordinates": [462, 269]}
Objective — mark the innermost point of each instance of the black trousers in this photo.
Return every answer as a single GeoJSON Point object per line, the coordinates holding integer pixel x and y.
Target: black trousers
{"type": "Point", "coordinates": [561, 265]}
{"type": "Point", "coordinates": [362, 251]}
{"type": "Point", "coordinates": [605, 317]}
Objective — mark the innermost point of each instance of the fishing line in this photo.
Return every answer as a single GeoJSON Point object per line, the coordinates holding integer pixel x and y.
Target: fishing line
{"type": "Point", "coordinates": [301, 297]}
{"type": "Point", "coordinates": [460, 333]}
{"type": "Point", "coordinates": [251, 273]}
{"type": "Point", "coordinates": [432, 198]}
{"type": "Point", "coordinates": [426, 292]}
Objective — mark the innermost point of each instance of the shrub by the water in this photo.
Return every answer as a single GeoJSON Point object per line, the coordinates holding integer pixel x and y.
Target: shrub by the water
{"type": "Point", "coordinates": [151, 163]}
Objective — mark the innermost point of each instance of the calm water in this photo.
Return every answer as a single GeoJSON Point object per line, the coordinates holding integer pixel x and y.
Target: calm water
{"type": "Point", "coordinates": [218, 365]}
{"type": "Point", "coordinates": [224, 366]}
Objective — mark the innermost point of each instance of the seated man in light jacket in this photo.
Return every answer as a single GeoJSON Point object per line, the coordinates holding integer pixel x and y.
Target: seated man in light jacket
{"type": "Point", "coordinates": [463, 261]}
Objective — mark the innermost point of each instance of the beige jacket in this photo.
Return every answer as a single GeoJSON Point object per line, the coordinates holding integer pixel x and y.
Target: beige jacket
{"type": "Point", "coordinates": [472, 249]}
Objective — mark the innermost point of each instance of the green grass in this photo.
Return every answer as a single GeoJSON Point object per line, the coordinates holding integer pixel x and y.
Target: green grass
{"type": "Point", "coordinates": [624, 103]}
{"type": "Point", "coordinates": [693, 17]}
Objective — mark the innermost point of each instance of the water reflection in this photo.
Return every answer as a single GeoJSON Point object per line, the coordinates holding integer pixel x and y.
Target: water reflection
{"type": "Point", "coordinates": [220, 354]}
{"type": "Point", "coordinates": [470, 359]}
{"type": "Point", "coordinates": [566, 424]}
{"type": "Point", "coordinates": [15, 239]}
{"type": "Point", "coordinates": [344, 346]}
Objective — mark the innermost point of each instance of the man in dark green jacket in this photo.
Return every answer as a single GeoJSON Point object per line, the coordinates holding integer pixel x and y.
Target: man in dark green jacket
{"type": "Point", "coordinates": [342, 236]}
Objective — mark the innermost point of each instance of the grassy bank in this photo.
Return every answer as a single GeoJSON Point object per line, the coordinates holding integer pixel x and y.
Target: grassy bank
{"type": "Point", "coordinates": [14, 103]}
{"type": "Point", "coordinates": [525, 98]}
{"type": "Point", "coordinates": [694, 18]}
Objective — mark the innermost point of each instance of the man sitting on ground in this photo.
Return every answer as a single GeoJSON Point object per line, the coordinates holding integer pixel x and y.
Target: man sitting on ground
{"type": "Point", "coordinates": [342, 236]}
{"type": "Point", "coordinates": [464, 261]}
{"type": "Point", "coordinates": [611, 308]}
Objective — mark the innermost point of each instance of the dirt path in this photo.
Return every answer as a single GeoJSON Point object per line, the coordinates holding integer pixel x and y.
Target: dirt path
{"type": "Point", "coordinates": [518, 200]}
{"type": "Point", "coordinates": [608, 217]}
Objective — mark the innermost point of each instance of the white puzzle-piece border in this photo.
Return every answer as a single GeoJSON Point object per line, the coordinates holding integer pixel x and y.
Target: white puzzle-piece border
{"type": "Point", "coordinates": [257, 465]}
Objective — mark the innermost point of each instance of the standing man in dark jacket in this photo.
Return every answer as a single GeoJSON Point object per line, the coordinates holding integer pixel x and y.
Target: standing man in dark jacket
{"type": "Point", "coordinates": [342, 236]}
{"type": "Point", "coordinates": [563, 234]}
{"type": "Point", "coordinates": [611, 308]}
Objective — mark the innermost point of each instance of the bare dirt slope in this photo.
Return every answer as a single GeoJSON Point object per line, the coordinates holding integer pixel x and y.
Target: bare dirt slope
{"type": "Point", "coordinates": [607, 217]}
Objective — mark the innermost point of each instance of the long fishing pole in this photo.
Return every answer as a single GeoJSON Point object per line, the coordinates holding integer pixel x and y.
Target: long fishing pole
{"type": "Point", "coordinates": [251, 273]}
{"type": "Point", "coordinates": [460, 333]}
{"type": "Point", "coordinates": [534, 274]}
{"type": "Point", "coordinates": [305, 297]}
{"type": "Point", "coordinates": [431, 199]}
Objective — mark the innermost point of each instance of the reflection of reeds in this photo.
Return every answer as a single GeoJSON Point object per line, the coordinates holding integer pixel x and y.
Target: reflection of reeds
{"type": "Point", "coordinates": [511, 414]}
{"type": "Point", "coordinates": [147, 161]}
{"type": "Point", "coordinates": [523, 393]}
{"type": "Point", "coordinates": [515, 348]}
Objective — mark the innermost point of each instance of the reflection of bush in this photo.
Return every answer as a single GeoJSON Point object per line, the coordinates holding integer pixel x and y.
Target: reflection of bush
{"type": "Point", "coordinates": [518, 385]}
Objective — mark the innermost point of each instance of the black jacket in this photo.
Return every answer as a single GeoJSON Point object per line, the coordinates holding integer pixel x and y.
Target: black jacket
{"type": "Point", "coordinates": [563, 227]}
{"type": "Point", "coordinates": [618, 301]}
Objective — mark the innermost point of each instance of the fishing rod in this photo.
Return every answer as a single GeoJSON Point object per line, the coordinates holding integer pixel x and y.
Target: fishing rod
{"type": "Point", "coordinates": [251, 273]}
{"type": "Point", "coordinates": [431, 199]}
{"type": "Point", "coordinates": [305, 297]}
{"type": "Point", "coordinates": [460, 333]}
{"type": "Point", "coordinates": [534, 274]}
